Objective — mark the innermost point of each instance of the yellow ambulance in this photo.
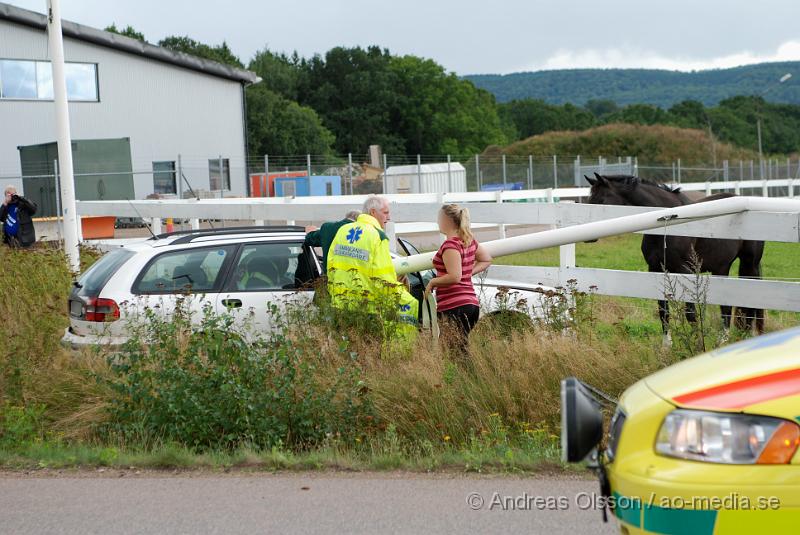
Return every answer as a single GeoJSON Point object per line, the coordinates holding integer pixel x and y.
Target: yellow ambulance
{"type": "Point", "coordinates": [707, 446]}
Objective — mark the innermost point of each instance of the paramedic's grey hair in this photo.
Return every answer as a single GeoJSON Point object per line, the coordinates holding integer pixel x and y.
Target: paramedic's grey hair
{"type": "Point", "coordinates": [374, 202]}
{"type": "Point", "coordinates": [352, 215]}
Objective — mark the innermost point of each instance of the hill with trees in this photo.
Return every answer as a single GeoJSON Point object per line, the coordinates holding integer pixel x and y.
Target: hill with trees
{"type": "Point", "coordinates": [644, 86]}
{"type": "Point", "coordinates": [650, 143]}
{"type": "Point", "coordinates": [733, 120]}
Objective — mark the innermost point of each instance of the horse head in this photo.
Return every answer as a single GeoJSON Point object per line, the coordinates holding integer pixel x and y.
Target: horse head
{"type": "Point", "coordinates": [605, 191]}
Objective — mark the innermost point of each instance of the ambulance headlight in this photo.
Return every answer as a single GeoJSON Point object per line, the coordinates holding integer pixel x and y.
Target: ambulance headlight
{"type": "Point", "coordinates": [728, 438]}
{"type": "Point", "coordinates": [581, 421]}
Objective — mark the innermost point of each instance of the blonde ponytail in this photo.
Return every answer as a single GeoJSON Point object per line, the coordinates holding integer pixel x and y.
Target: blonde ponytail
{"type": "Point", "coordinates": [460, 216]}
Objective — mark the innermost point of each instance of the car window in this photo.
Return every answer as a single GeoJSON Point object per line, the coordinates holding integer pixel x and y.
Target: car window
{"type": "Point", "coordinates": [407, 247]}
{"type": "Point", "coordinates": [92, 281]}
{"type": "Point", "coordinates": [267, 266]}
{"type": "Point", "coordinates": [191, 270]}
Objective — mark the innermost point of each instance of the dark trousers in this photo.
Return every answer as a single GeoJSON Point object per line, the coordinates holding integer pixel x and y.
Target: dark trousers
{"type": "Point", "coordinates": [455, 325]}
{"type": "Point", "coordinates": [14, 242]}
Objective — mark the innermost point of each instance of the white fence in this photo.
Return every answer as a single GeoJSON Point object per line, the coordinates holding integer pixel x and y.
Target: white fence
{"type": "Point", "coordinates": [775, 220]}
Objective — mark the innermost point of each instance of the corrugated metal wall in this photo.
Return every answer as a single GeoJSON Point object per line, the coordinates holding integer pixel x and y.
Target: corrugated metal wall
{"type": "Point", "coordinates": [163, 109]}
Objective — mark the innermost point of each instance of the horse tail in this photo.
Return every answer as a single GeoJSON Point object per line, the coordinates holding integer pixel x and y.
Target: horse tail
{"type": "Point", "coordinates": [750, 255]}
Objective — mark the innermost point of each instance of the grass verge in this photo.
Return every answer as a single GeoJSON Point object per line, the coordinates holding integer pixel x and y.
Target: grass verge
{"type": "Point", "coordinates": [423, 410]}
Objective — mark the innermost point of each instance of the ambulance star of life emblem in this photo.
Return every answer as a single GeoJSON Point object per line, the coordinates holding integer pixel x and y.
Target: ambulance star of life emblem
{"type": "Point", "coordinates": [355, 234]}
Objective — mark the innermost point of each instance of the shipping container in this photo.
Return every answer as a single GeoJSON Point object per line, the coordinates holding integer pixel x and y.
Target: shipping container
{"type": "Point", "coordinates": [426, 178]}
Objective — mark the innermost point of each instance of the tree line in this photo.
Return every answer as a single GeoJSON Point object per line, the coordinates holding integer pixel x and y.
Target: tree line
{"type": "Point", "coordinates": [733, 120]}
{"type": "Point", "coordinates": [660, 87]}
{"type": "Point", "coordinates": [350, 98]}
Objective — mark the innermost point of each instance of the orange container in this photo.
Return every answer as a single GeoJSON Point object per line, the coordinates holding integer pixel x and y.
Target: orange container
{"type": "Point", "coordinates": [264, 185]}
{"type": "Point", "coordinates": [97, 227]}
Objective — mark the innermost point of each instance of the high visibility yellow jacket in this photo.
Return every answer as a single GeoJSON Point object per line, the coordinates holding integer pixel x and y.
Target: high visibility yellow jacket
{"type": "Point", "coordinates": [361, 274]}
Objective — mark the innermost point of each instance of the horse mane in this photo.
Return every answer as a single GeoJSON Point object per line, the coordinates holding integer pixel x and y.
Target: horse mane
{"type": "Point", "coordinates": [630, 180]}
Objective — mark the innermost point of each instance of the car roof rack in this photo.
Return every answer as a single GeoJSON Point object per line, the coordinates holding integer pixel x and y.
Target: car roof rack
{"type": "Point", "coordinates": [187, 236]}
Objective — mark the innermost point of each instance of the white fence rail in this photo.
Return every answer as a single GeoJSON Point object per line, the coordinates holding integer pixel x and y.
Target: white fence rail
{"type": "Point", "coordinates": [752, 218]}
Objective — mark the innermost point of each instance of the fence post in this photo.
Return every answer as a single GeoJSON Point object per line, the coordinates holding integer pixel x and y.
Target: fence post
{"type": "Point", "coordinates": [391, 235]}
{"type": "Point", "coordinates": [419, 174]}
{"type": "Point", "coordinates": [566, 253]}
{"type": "Point", "coordinates": [708, 188]}
{"type": "Point", "coordinates": [179, 178]}
{"type": "Point", "coordinates": [725, 170]}
{"type": "Point", "coordinates": [764, 188]}
{"type": "Point", "coordinates": [555, 171]}
{"type": "Point", "coordinates": [530, 171]}
{"type": "Point", "coordinates": [499, 198]}
{"type": "Point", "coordinates": [752, 170]}
{"type": "Point", "coordinates": [449, 178]}
{"type": "Point", "coordinates": [155, 224]}
{"type": "Point", "coordinates": [679, 170]}
{"type": "Point", "coordinates": [504, 170]}
{"type": "Point", "coordinates": [385, 172]}
{"type": "Point", "coordinates": [308, 164]}
{"type": "Point", "coordinates": [194, 223]}
{"type": "Point", "coordinates": [478, 171]}
{"type": "Point", "coordinates": [577, 171]}
{"type": "Point", "coordinates": [288, 200]}
{"type": "Point", "coordinates": [350, 171]}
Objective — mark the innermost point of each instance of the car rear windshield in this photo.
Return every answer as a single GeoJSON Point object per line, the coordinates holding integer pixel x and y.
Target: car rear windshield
{"type": "Point", "coordinates": [94, 278]}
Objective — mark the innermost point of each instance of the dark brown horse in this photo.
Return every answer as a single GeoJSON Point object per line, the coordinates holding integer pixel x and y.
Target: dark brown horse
{"type": "Point", "coordinates": [714, 255]}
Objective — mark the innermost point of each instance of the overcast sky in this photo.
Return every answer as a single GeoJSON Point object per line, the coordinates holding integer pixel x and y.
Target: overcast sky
{"type": "Point", "coordinates": [469, 36]}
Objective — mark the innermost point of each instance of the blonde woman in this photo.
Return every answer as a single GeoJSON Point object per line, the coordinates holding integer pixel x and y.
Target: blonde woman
{"type": "Point", "coordinates": [458, 259]}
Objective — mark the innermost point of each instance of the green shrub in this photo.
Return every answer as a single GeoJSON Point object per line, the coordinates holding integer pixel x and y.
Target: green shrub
{"type": "Point", "coordinates": [20, 426]}
{"type": "Point", "coordinates": [206, 386]}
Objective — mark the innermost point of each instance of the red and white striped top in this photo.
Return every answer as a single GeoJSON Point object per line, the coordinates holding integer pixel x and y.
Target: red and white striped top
{"type": "Point", "coordinates": [462, 292]}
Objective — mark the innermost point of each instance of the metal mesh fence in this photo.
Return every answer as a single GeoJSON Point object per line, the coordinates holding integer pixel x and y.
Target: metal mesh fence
{"type": "Point", "coordinates": [195, 176]}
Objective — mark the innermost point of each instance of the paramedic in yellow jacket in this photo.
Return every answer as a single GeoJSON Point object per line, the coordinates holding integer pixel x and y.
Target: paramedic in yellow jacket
{"type": "Point", "coordinates": [360, 270]}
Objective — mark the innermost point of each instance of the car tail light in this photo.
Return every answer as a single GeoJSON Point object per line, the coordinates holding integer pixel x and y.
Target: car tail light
{"type": "Point", "coordinates": [101, 310]}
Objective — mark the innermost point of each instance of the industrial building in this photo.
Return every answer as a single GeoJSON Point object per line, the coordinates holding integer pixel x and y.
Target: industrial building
{"type": "Point", "coordinates": [143, 119]}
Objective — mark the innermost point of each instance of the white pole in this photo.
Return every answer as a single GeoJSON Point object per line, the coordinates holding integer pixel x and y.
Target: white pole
{"type": "Point", "coordinates": [68, 207]}
{"type": "Point", "coordinates": [59, 221]}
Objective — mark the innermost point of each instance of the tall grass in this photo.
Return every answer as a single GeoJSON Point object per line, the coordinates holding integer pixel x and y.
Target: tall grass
{"type": "Point", "coordinates": [34, 368]}
{"type": "Point", "coordinates": [503, 405]}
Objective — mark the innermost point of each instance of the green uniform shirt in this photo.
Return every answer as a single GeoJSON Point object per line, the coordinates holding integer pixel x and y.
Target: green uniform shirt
{"type": "Point", "coordinates": [324, 237]}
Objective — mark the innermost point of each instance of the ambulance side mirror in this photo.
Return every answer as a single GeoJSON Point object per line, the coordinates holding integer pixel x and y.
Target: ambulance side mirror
{"type": "Point", "coordinates": [581, 421]}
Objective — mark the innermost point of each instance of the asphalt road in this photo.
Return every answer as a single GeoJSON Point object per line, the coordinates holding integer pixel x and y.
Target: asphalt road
{"type": "Point", "coordinates": [120, 502]}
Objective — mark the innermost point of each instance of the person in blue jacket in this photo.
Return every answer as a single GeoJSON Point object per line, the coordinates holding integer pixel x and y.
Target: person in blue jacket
{"type": "Point", "coordinates": [16, 215]}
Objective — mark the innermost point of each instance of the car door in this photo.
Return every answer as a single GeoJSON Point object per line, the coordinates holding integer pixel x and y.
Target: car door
{"type": "Point", "coordinates": [192, 276]}
{"type": "Point", "coordinates": [267, 274]}
{"type": "Point", "coordinates": [417, 282]}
